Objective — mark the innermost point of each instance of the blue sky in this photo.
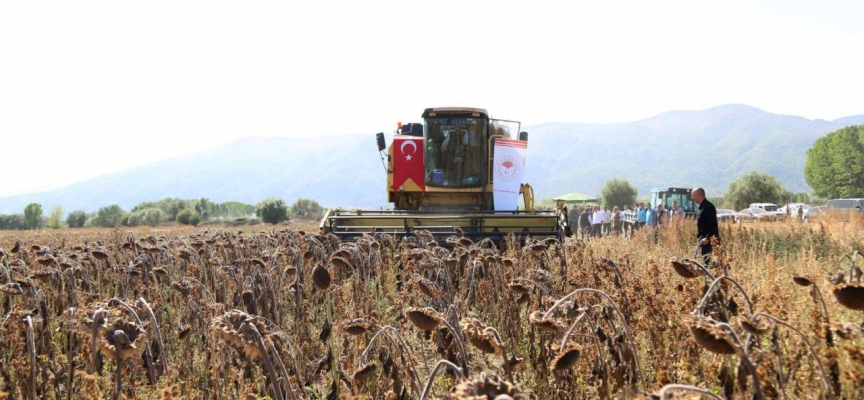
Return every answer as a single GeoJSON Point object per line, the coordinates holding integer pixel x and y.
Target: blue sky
{"type": "Point", "coordinates": [97, 87]}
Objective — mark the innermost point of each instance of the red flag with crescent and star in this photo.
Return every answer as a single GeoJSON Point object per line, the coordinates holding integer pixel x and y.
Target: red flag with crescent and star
{"type": "Point", "coordinates": [408, 161]}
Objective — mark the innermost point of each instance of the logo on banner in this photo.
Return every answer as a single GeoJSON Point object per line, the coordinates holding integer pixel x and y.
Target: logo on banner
{"type": "Point", "coordinates": [507, 169]}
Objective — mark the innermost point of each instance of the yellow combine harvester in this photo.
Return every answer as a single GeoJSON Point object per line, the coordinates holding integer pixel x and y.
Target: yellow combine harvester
{"type": "Point", "coordinates": [457, 173]}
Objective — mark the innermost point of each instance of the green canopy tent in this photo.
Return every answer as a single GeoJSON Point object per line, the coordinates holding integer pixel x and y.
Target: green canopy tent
{"type": "Point", "coordinates": [577, 198]}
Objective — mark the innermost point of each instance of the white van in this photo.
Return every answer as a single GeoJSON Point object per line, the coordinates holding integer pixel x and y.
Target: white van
{"type": "Point", "coordinates": [769, 207]}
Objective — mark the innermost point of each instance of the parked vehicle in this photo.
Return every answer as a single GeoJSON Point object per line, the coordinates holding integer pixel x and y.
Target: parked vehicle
{"type": "Point", "coordinates": [845, 204]}
{"type": "Point", "coordinates": [665, 196]}
{"type": "Point", "coordinates": [725, 214]}
{"type": "Point", "coordinates": [770, 208]}
{"type": "Point", "coordinates": [754, 215]}
{"type": "Point", "coordinates": [793, 209]}
{"type": "Point", "coordinates": [813, 212]}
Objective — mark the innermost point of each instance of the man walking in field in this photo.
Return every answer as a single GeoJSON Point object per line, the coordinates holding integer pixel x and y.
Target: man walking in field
{"type": "Point", "coordinates": [706, 222]}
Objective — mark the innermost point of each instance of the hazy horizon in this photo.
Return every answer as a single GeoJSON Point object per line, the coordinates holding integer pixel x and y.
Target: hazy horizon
{"type": "Point", "coordinates": [93, 88]}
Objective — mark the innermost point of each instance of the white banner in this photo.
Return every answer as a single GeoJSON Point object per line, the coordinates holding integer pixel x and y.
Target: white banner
{"type": "Point", "coordinates": [507, 170]}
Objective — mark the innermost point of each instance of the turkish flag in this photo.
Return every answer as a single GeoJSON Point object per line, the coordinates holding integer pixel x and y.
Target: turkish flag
{"type": "Point", "coordinates": [408, 161]}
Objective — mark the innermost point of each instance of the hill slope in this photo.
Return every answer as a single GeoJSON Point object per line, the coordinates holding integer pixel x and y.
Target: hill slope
{"type": "Point", "coordinates": [710, 148]}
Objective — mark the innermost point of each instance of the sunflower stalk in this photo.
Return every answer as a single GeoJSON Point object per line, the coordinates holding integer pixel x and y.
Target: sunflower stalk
{"type": "Point", "coordinates": [98, 315]}
{"type": "Point", "coordinates": [444, 363]}
{"type": "Point", "coordinates": [630, 342]}
{"type": "Point", "coordinates": [259, 341]}
{"type": "Point", "coordinates": [162, 356]}
{"type": "Point", "coordinates": [396, 340]}
{"type": "Point", "coordinates": [710, 290]}
{"type": "Point", "coordinates": [813, 352]}
{"type": "Point", "coordinates": [31, 350]}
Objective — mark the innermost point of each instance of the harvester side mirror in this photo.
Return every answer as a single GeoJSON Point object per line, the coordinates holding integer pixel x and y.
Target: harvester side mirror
{"type": "Point", "coordinates": [379, 138]}
{"type": "Point", "coordinates": [523, 136]}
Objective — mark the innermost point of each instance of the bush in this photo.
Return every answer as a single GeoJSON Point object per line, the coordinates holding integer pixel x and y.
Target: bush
{"type": "Point", "coordinates": [76, 219]}
{"type": "Point", "coordinates": [109, 216]}
{"type": "Point", "coordinates": [272, 211]}
{"type": "Point", "coordinates": [307, 209]}
{"type": "Point", "coordinates": [184, 217]}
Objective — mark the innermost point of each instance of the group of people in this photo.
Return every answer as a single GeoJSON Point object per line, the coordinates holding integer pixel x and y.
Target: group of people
{"type": "Point", "coordinates": [593, 221]}
{"type": "Point", "coordinates": [596, 222]}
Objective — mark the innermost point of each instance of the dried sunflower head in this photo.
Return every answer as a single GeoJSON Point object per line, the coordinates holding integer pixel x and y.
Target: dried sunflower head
{"type": "Point", "coordinates": [520, 287]}
{"type": "Point", "coordinates": [428, 287]}
{"type": "Point", "coordinates": [426, 319]}
{"type": "Point", "coordinates": [850, 295]}
{"type": "Point", "coordinates": [542, 323]}
{"type": "Point", "coordinates": [230, 328]}
{"type": "Point", "coordinates": [12, 288]}
{"type": "Point", "coordinates": [356, 326]}
{"type": "Point", "coordinates": [321, 277]}
{"type": "Point", "coordinates": [756, 327]}
{"type": "Point", "coordinates": [340, 261]}
{"type": "Point", "coordinates": [567, 357]}
{"type": "Point", "coordinates": [99, 254]}
{"type": "Point", "coordinates": [126, 336]}
{"type": "Point", "coordinates": [538, 247]}
{"type": "Point", "coordinates": [364, 372]}
{"type": "Point", "coordinates": [485, 387]}
{"type": "Point", "coordinates": [685, 268]}
{"type": "Point", "coordinates": [480, 335]}
{"type": "Point", "coordinates": [184, 332]}
{"type": "Point", "coordinates": [708, 335]}
{"type": "Point", "coordinates": [802, 280]}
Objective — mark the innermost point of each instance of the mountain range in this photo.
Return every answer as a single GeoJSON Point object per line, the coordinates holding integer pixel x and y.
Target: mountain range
{"type": "Point", "coordinates": [709, 148]}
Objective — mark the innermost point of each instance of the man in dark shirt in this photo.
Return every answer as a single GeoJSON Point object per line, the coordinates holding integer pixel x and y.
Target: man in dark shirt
{"type": "Point", "coordinates": [585, 222]}
{"type": "Point", "coordinates": [706, 222]}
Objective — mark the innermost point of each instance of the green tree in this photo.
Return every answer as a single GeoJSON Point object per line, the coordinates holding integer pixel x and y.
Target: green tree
{"type": "Point", "coordinates": [153, 217]}
{"type": "Point", "coordinates": [185, 217]}
{"type": "Point", "coordinates": [618, 192]}
{"type": "Point", "coordinates": [204, 208]}
{"type": "Point", "coordinates": [12, 222]}
{"type": "Point", "coordinates": [76, 219]}
{"type": "Point", "coordinates": [55, 218]}
{"type": "Point", "coordinates": [272, 211]}
{"type": "Point", "coordinates": [109, 216]}
{"type": "Point", "coordinates": [149, 217]}
{"type": "Point", "coordinates": [835, 164]}
{"type": "Point", "coordinates": [32, 215]}
{"type": "Point", "coordinates": [755, 187]}
{"type": "Point", "coordinates": [307, 209]}
{"type": "Point", "coordinates": [801, 197]}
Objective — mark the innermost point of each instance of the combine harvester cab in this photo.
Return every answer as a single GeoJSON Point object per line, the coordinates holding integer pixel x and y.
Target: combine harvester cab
{"type": "Point", "coordinates": [458, 173]}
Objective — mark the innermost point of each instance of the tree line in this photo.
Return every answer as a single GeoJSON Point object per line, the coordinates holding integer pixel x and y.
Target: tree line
{"type": "Point", "coordinates": [834, 169]}
{"type": "Point", "coordinates": [754, 187]}
{"type": "Point", "coordinates": [168, 210]}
